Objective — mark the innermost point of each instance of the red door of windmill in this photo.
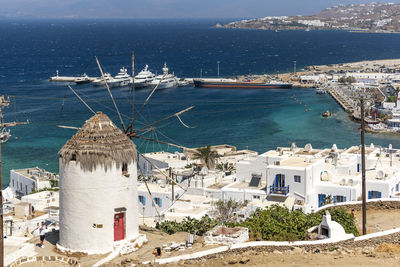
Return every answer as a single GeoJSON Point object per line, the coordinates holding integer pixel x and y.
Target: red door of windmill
{"type": "Point", "coordinates": [119, 226]}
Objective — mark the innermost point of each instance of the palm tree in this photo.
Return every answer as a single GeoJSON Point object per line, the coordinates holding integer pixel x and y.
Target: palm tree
{"type": "Point", "coordinates": [226, 167]}
{"type": "Point", "coordinates": [206, 155]}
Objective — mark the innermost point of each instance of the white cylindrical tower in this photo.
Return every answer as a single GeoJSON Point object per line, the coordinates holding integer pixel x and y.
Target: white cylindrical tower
{"type": "Point", "coordinates": [98, 188]}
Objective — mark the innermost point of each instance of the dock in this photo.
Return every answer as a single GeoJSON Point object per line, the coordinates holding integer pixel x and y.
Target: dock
{"type": "Point", "coordinates": [346, 104]}
{"type": "Point", "coordinates": [68, 79]}
{"type": "Point", "coordinates": [59, 78]}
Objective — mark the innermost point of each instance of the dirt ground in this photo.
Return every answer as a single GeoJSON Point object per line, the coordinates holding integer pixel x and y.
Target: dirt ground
{"type": "Point", "coordinates": [297, 260]}
{"type": "Point", "coordinates": [157, 239]}
{"type": "Point", "coordinates": [377, 220]}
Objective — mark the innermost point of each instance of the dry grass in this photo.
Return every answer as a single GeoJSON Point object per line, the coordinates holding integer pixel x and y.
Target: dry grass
{"type": "Point", "coordinates": [99, 143]}
{"type": "Point", "coordinates": [388, 247]}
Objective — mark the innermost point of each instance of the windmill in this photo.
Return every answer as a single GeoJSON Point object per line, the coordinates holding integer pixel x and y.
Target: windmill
{"type": "Point", "coordinates": [130, 129]}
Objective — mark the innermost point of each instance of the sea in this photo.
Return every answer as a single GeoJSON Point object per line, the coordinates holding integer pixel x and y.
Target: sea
{"type": "Point", "coordinates": [32, 50]}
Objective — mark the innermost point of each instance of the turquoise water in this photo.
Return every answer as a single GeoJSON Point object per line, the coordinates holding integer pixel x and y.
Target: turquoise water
{"type": "Point", "coordinates": [31, 51]}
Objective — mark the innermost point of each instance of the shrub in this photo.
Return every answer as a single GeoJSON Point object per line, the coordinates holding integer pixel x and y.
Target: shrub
{"type": "Point", "coordinates": [188, 225]}
{"type": "Point", "coordinates": [277, 223]}
{"type": "Point", "coordinates": [274, 223]}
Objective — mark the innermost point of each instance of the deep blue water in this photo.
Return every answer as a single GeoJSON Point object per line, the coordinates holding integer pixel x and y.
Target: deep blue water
{"type": "Point", "coordinates": [31, 51]}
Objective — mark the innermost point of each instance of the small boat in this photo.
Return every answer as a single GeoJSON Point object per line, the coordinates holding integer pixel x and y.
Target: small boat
{"type": "Point", "coordinates": [100, 81]}
{"type": "Point", "coordinates": [169, 80]}
{"type": "Point", "coordinates": [82, 79]}
{"type": "Point", "coordinates": [320, 91]}
{"type": "Point", "coordinates": [144, 78]}
{"type": "Point", "coordinates": [4, 135]}
{"type": "Point", "coordinates": [121, 79]}
{"type": "Point", "coordinates": [326, 114]}
{"type": "Point", "coordinates": [182, 82]}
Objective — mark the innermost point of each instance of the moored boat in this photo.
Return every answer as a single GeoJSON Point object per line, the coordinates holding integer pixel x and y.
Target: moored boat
{"type": "Point", "coordinates": [144, 78]}
{"type": "Point", "coordinates": [232, 83]}
{"type": "Point", "coordinates": [169, 80]}
{"type": "Point", "coordinates": [82, 79]}
{"type": "Point", "coordinates": [100, 81]}
{"type": "Point", "coordinates": [121, 79]}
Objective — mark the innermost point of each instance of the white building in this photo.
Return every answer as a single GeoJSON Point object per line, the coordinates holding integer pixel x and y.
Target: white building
{"type": "Point", "coordinates": [25, 181]}
{"type": "Point", "coordinates": [311, 176]}
{"type": "Point", "coordinates": [161, 160]}
{"type": "Point", "coordinates": [98, 188]}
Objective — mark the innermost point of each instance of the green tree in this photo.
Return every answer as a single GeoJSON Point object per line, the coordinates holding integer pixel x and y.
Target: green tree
{"type": "Point", "coordinates": [206, 155]}
{"type": "Point", "coordinates": [350, 79]}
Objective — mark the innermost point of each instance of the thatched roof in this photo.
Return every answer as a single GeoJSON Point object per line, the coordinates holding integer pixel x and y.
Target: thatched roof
{"type": "Point", "coordinates": [99, 143]}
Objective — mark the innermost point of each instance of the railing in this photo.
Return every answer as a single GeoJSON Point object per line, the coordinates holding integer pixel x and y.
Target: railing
{"type": "Point", "coordinates": [280, 190]}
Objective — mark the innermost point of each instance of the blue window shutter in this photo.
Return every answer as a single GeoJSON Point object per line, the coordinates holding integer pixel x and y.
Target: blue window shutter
{"type": "Point", "coordinates": [160, 202]}
{"type": "Point", "coordinates": [344, 199]}
{"type": "Point", "coordinates": [369, 194]}
{"type": "Point", "coordinates": [276, 180]}
{"type": "Point", "coordinates": [321, 199]}
{"type": "Point", "coordinates": [144, 200]}
{"type": "Point", "coordinates": [379, 194]}
{"type": "Point", "coordinates": [358, 167]}
{"type": "Point", "coordinates": [334, 199]}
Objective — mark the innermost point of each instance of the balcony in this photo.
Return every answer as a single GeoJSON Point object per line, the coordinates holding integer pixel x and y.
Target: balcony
{"type": "Point", "coordinates": [279, 191]}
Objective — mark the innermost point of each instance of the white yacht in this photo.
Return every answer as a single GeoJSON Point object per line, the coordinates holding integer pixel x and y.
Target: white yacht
{"type": "Point", "coordinates": [84, 78]}
{"type": "Point", "coordinates": [169, 81]}
{"type": "Point", "coordinates": [121, 79]}
{"type": "Point", "coordinates": [144, 78]}
{"type": "Point", "coordinates": [182, 82]}
{"type": "Point", "coordinates": [100, 81]}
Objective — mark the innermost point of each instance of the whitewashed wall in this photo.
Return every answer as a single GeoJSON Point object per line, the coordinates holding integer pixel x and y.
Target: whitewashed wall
{"type": "Point", "coordinates": [88, 198]}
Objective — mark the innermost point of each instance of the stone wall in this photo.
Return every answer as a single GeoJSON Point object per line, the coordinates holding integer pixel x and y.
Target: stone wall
{"type": "Point", "coordinates": [376, 204]}
{"type": "Point", "coordinates": [370, 240]}
{"type": "Point", "coordinates": [240, 236]}
{"type": "Point", "coordinates": [66, 260]}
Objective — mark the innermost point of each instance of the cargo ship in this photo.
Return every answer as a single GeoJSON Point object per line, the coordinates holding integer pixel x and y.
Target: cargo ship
{"type": "Point", "coordinates": [232, 83]}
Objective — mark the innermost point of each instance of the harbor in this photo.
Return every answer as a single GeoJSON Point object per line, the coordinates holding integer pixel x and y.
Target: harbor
{"type": "Point", "coordinates": [170, 161]}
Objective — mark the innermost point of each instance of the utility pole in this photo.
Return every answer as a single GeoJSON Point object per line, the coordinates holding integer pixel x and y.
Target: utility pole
{"type": "Point", "coordinates": [218, 68]}
{"type": "Point", "coordinates": [171, 175]}
{"type": "Point", "coordinates": [364, 199]}
{"type": "Point", "coordinates": [4, 102]}
{"type": "Point", "coordinates": [133, 83]}
{"type": "Point", "coordinates": [1, 217]}
{"type": "Point", "coordinates": [294, 67]}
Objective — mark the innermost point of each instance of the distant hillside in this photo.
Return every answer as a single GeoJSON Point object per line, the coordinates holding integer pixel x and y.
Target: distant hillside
{"type": "Point", "coordinates": [373, 17]}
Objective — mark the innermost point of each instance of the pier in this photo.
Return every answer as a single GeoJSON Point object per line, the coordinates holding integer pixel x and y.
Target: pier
{"type": "Point", "coordinates": [59, 78]}
{"type": "Point", "coordinates": [346, 104]}
{"type": "Point", "coordinates": [68, 79]}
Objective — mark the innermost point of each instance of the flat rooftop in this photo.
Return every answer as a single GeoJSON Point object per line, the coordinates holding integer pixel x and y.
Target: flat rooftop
{"type": "Point", "coordinates": [245, 185]}
{"type": "Point", "coordinates": [297, 162]}
{"type": "Point", "coordinates": [36, 173]}
{"type": "Point", "coordinates": [159, 188]}
{"type": "Point", "coordinates": [357, 150]}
